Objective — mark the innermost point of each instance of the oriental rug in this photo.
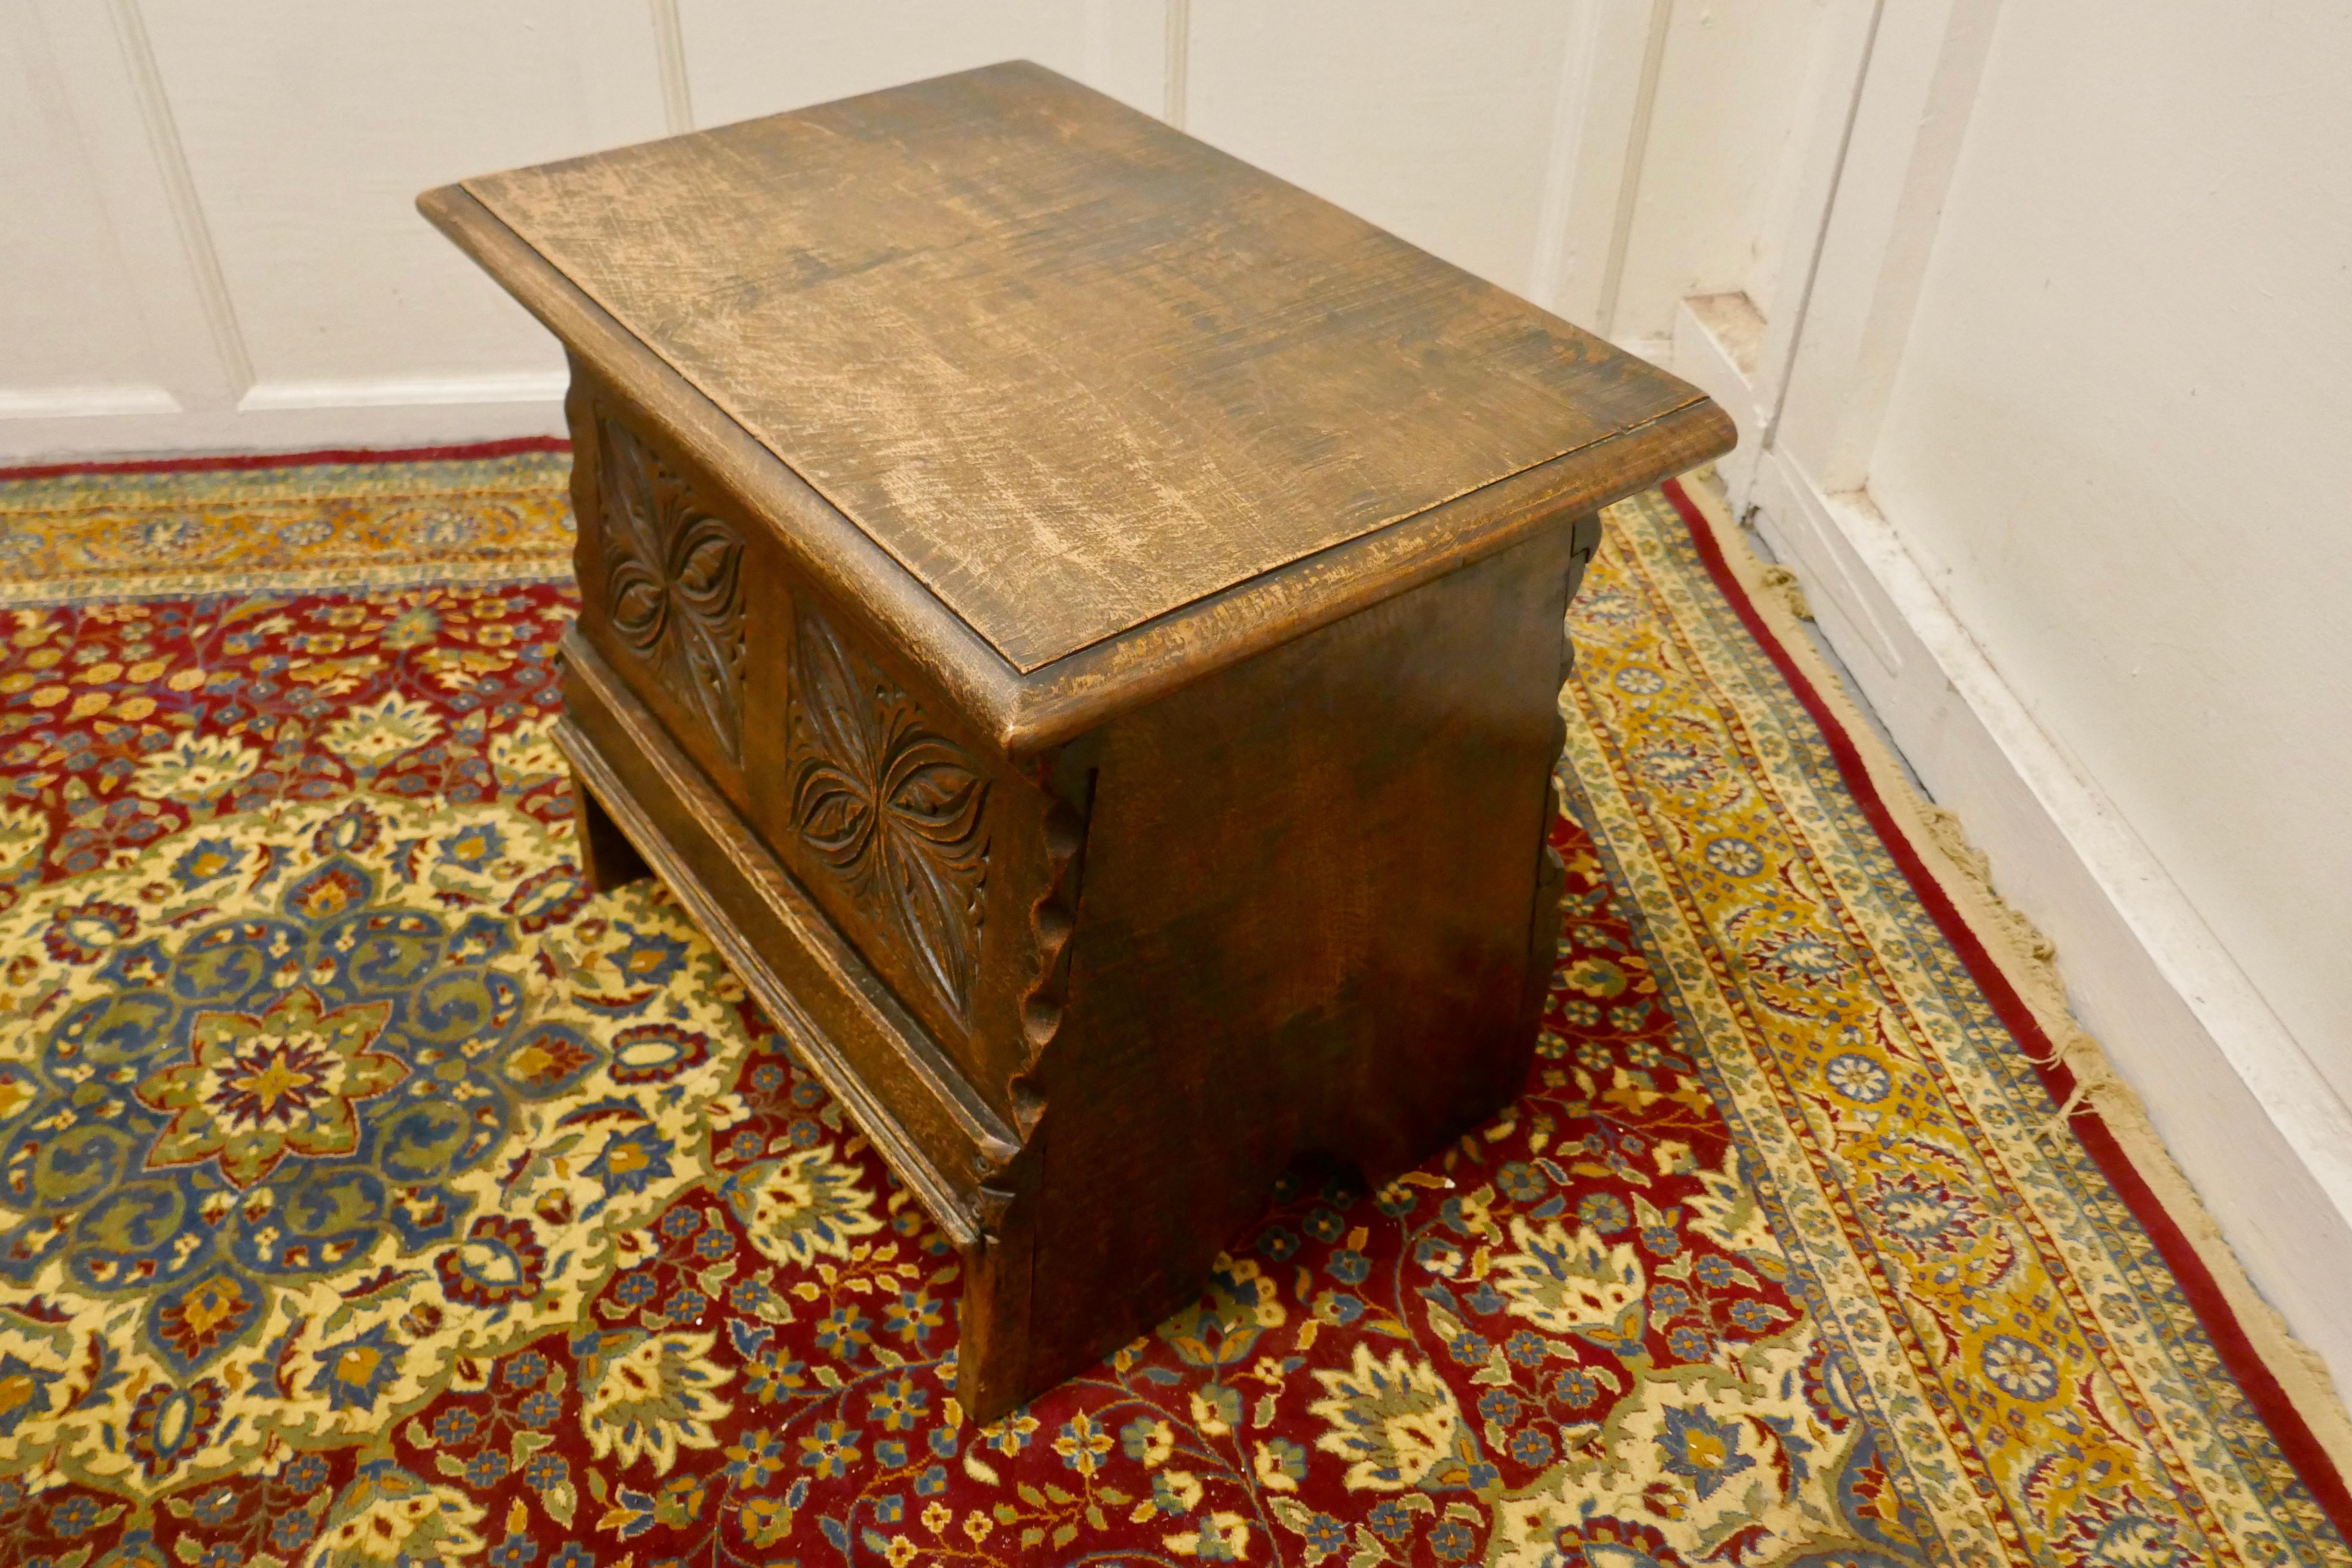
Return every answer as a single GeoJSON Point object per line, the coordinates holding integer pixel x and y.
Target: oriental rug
{"type": "Point", "coordinates": [372, 1194]}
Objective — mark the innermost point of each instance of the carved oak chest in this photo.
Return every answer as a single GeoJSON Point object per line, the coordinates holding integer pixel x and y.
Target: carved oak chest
{"type": "Point", "coordinates": [1078, 622]}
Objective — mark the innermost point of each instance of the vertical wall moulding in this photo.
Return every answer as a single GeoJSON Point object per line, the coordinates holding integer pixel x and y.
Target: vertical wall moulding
{"type": "Point", "coordinates": [1180, 61]}
{"type": "Point", "coordinates": [1571, 101]}
{"type": "Point", "coordinates": [1629, 185]}
{"type": "Point", "coordinates": [1597, 99]}
{"type": "Point", "coordinates": [1782, 353]}
{"type": "Point", "coordinates": [669, 50]}
{"type": "Point", "coordinates": [187, 210]}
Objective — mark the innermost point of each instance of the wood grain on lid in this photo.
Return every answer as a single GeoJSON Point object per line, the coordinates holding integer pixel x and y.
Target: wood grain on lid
{"type": "Point", "coordinates": [1070, 368]}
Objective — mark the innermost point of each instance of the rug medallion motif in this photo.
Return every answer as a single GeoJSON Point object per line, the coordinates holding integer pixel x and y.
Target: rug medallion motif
{"type": "Point", "coordinates": [372, 1194]}
{"type": "Point", "coordinates": [352, 1092]}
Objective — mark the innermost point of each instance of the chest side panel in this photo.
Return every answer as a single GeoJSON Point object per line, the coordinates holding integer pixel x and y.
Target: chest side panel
{"type": "Point", "coordinates": [1315, 899]}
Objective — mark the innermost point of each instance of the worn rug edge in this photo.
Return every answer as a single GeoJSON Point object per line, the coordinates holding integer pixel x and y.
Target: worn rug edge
{"type": "Point", "coordinates": [2286, 1380]}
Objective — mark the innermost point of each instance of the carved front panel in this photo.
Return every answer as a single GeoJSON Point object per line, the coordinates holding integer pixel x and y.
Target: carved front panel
{"type": "Point", "coordinates": [673, 584]}
{"type": "Point", "coordinates": [891, 811]}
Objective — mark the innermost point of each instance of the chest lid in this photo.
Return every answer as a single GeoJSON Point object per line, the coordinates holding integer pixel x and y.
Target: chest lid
{"type": "Point", "coordinates": [1070, 368]}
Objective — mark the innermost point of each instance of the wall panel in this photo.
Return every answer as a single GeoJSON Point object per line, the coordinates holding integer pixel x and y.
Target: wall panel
{"type": "Point", "coordinates": [70, 320]}
{"type": "Point", "coordinates": [307, 131]}
{"type": "Point", "coordinates": [2106, 438]}
{"type": "Point", "coordinates": [1714, 213]}
{"type": "Point", "coordinates": [748, 58]}
{"type": "Point", "coordinates": [1432, 118]}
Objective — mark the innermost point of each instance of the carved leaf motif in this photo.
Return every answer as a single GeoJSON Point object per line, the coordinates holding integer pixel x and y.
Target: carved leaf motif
{"type": "Point", "coordinates": [638, 605]}
{"type": "Point", "coordinates": [674, 583]}
{"type": "Point", "coordinates": [702, 576]}
{"type": "Point", "coordinates": [892, 810]}
{"type": "Point", "coordinates": [834, 817]}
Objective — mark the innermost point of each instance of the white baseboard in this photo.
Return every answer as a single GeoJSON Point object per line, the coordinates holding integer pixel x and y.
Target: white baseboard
{"type": "Point", "coordinates": [396, 392]}
{"type": "Point", "coordinates": [73, 423]}
{"type": "Point", "coordinates": [2250, 1121]}
{"type": "Point", "coordinates": [1716, 341]}
{"type": "Point", "coordinates": [84, 402]}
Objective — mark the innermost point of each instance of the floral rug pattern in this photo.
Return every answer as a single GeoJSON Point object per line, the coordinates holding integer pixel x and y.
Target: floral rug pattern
{"type": "Point", "coordinates": [372, 1193]}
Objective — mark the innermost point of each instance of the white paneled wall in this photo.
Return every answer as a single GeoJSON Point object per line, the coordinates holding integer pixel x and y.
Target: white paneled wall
{"type": "Point", "coordinates": [750, 59]}
{"type": "Point", "coordinates": [63, 278]}
{"type": "Point", "coordinates": [1721, 161]}
{"type": "Point", "coordinates": [1432, 118]}
{"type": "Point", "coordinates": [214, 246]}
{"type": "Point", "coordinates": [210, 245]}
{"type": "Point", "coordinates": [2031, 317]}
{"type": "Point", "coordinates": [338, 293]}
{"type": "Point", "coordinates": [2041, 389]}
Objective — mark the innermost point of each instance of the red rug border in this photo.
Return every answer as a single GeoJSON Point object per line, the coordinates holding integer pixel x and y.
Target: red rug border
{"type": "Point", "coordinates": [239, 461]}
{"type": "Point", "coordinates": [2254, 1376]}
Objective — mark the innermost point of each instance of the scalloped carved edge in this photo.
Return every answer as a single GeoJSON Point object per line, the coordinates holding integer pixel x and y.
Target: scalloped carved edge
{"type": "Point", "coordinates": [892, 812]}
{"type": "Point", "coordinates": [673, 582]}
{"type": "Point", "coordinates": [1551, 871]}
{"type": "Point", "coordinates": [1053, 920]}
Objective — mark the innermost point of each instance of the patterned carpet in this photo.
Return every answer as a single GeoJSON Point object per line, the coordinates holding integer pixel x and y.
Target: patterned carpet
{"type": "Point", "coordinates": [370, 1193]}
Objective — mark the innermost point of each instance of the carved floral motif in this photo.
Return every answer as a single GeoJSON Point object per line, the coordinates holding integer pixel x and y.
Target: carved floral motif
{"type": "Point", "coordinates": [674, 583]}
{"type": "Point", "coordinates": [890, 808]}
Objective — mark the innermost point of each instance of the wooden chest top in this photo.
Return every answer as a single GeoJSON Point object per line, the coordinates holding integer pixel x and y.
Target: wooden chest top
{"type": "Point", "coordinates": [1072, 370]}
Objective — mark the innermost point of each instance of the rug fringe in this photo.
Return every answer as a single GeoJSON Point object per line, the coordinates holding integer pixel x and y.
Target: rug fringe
{"type": "Point", "coordinates": [2028, 959]}
{"type": "Point", "coordinates": [1781, 580]}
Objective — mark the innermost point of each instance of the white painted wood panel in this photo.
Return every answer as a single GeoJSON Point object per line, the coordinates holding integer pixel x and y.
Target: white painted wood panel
{"type": "Point", "coordinates": [307, 131]}
{"type": "Point", "coordinates": [2108, 439]}
{"type": "Point", "coordinates": [91, 86]}
{"type": "Point", "coordinates": [76, 337]}
{"type": "Point", "coordinates": [748, 58]}
{"type": "Point", "coordinates": [1714, 211]}
{"type": "Point", "coordinates": [1903, 139]}
{"type": "Point", "coordinates": [1432, 118]}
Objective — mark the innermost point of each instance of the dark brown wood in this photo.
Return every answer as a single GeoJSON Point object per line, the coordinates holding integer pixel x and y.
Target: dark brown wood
{"type": "Point", "coordinates": [885, 808]}
{"type": "Point", "coordinates": [673, 589]}
{"type": "Point", "coordinates": [1310, 901]}
{"type": "Point", "coordinates": [1028, 715]}
{"type": "Point", "coordinates": [606, 856]}
{"type": "Point", "coordinates": [1067, 331]}
{"type": "Point", "coordinates": [1079, 622]}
